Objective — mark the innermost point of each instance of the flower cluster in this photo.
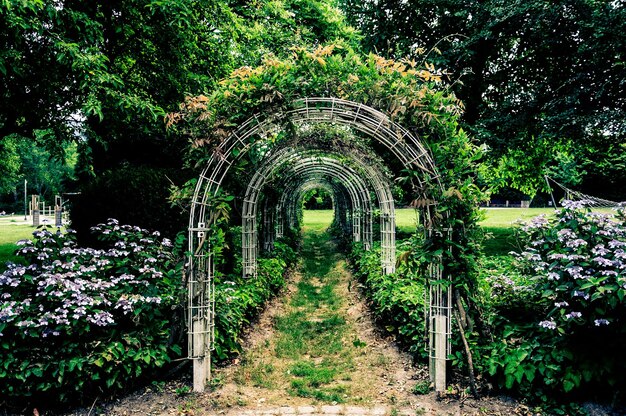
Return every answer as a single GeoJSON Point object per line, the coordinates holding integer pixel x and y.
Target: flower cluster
{"type": "Point", "coordinates": [579, 258]}
{"type": "Point", "coordinates": [66, 289]}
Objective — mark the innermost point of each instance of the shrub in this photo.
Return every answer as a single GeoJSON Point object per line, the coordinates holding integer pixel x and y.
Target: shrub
{"type": "Point", "coordinates": [78, 321]}
{"type": "Point", "coordinates": [132, 194]}
{"type": "Point", "coordinates": [397, 299]}
{"type": "Point", "coordinates": [239, 299]}
{"type": "Point", "coordinates": [577, 264]}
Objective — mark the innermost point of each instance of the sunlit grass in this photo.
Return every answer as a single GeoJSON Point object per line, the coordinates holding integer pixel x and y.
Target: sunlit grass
{"type": "Point", "coordinates": [318, 219]}
{"type": "Point", "coordinates": [12, 230]}
{"type": "Point", "coordinates": [498, 224]}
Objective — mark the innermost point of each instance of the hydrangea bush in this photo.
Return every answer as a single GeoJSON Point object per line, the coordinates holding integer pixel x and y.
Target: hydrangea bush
{"type": "Point", "coordinates": [579, 259]}
{"type": "Point", "coordinates": [75, 321]}
{"type": "Point", "coordinates": [574, 266]}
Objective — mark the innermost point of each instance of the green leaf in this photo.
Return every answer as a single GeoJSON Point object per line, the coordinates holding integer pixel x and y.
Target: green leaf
{"type": "Point", "coordinates": [568, 385]}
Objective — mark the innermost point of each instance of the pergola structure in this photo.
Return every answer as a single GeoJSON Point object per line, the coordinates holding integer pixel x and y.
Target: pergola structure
{"type": "Point", "coordinates": [292, 167]}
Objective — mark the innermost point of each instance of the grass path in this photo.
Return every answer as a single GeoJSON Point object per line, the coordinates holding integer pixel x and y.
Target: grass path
{"type": "Point", "coordinates": [318, 345]}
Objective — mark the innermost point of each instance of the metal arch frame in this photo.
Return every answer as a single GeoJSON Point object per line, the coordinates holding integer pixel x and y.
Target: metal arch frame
{"type": "Point", "coordinates": [254, 131]}
{"type": "Point", "coordinates": [340, 202]}
{"type": "Point", "coordinates": [387, 219]}
{"type": "Point", "coordinates": [383, 193]}
{"type": "Point", "coordinates": [304, 187]}
{"type": "Point", "coordinates": [357, 205]}
{"type": "Point", "coordinates": [291, 155]}
{"type": "Point", "coordinates": [357, 191]}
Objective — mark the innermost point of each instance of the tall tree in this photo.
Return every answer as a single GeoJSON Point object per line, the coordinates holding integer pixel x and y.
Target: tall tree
{"type": "Point", "coordinates": [531, 71]}
{"type": "Point", "coordinates": [103, 74]}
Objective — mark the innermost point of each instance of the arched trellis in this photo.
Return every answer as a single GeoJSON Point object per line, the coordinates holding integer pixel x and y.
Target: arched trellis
{"type": "Point", "coordinates": [383, 193]}
{"type": "Point", "coordinates": [294, 191]}
{"type": "Point", "coordinates": [351, 198]}
{"type": "Point", "coordinates": [254, 132]}
{"type": "Point", "coordinates": [354, 185]}
{"type": "Point", "coordinates": [303, 162]}
{"type": "Point", "coordinates": [355, 204]}
{"type": "Point", "coordinates": [362, 212]}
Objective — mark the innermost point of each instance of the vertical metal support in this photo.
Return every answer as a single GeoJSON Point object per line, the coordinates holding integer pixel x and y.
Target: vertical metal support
{"type": "Point", "coordinates": [248, 245]}
{"type": "Point", "coordinates": [388, 237]}
{"type": "Point", "coordinates": [356, 225]}
{"type": "Point", "coordinates": [280, 221]}
{"type": "Point", "coordinates": [58, 211]}
{"type": "Point", "coordinates": [367, 228]}
{"type": "Point", "coordinates": [200, 309]}
{"type": "Point", "coordinates": [34, 209]}
{"type": "Point", "coordinates": [440, 311]}
{"type": "Point", "coordinates": [269, 229]}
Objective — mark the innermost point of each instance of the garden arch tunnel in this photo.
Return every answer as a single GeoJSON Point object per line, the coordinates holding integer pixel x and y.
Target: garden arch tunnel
{"type": "Point", "coordinates": [350, 192]}
{"type": "Point", "coordinates": [255, 133]}
{"type": "Point", "coordinates": [305, 163]}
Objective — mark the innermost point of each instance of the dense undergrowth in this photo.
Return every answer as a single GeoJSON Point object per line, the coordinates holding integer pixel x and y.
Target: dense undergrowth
{"type": "Point", "coordinates": [552, 315]}
{"type": "Point", "coordinates": [78, 323]}
{"type": "Point", "coordinates": [397, 301]}
{"type": "Point", "coordinates": [238, 299]}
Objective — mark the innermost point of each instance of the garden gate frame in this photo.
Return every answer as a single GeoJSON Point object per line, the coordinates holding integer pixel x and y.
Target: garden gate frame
{"type": "Point", "coordinates": [409, 151]}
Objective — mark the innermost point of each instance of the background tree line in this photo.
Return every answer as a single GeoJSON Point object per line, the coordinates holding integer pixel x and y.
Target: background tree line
{"type": "Point", "coordinates": [98, 78]}
{"type": "Point", "coordinates": [543, 82]}
{"type": "Point", "coordinates": [85, 86]}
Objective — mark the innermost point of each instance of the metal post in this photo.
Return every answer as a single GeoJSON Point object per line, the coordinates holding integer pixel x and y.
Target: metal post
{"type": "Point", "coordinates": [25, 203]}
{"type": "Point", "coordinates": [58, 211]}
{"type": "Point", "coordinates": [550, 188]}
{"type": "Point", "coordinates": [34, 209]}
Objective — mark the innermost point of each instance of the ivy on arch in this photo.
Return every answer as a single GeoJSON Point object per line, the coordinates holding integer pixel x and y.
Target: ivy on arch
{"type": "Point", "coordinates": [403, 106]}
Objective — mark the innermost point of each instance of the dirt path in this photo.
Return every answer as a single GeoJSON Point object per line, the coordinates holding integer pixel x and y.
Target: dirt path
{"type": "Point", "coordinates": [314, 351]}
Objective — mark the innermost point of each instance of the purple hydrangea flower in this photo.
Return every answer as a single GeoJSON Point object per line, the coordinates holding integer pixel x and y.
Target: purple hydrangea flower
{"type": "Point", "coordinates": [548, 324]}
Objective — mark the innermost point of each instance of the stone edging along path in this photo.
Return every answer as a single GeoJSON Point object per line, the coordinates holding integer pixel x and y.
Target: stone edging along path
{"type": "Point", "coordinates": [326, 410]}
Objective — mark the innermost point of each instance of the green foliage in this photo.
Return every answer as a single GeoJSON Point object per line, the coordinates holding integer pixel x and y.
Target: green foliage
{"type": "Point", "coordinates": [532, 74]}
{"type": "Point", "coordinates": [557, 310]}
{"type": "Point", "coordinates": [76, 322]}
{"type": "Point", "coordinates": [413, 94]}
{"type": "Point", "coordinates": [135, 195]}
{"type": "Point", "coordinates": [421, 387]}
{"type": "Point", "coordinates": [10, 166]}
{"type": "Point", "coordinates": [396, 299]}
{"type": "Point", "coordinates": [112, 70]}
{"type": "Point", "coordinates": [238, 299]}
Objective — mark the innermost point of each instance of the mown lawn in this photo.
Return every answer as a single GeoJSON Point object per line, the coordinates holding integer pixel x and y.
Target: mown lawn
{"type": "Point", "coordinates": [12, 229]}
{"type": "Point", "coordinates": [498, 224]}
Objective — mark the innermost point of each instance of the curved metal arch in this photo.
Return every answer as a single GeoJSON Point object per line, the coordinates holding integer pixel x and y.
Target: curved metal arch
{"type": "Point", "coordinates": [387, 219]}
{"type": "Point", "coordinates": [356, 188]}
{"type": "Point", "coordinates": [357, 191]}
{"type": "Point", "coordinates": [372, 175]}
{"type": "Point", "coordinates": [359, 201]}
{"type": "Point", "coordinates": [287, 213]}
{"type": "Point", "coordinates": [254, 131]}
{"type": "Point", "coordinates": [401, 142]}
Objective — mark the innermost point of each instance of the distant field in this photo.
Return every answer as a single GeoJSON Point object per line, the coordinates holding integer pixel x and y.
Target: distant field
{"type": "Point", "coordinates": [318, 219]}
{"type": "Point", "coordinates": [406, 218]}
{"type": "Point", "coordinates": [498, 224]}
